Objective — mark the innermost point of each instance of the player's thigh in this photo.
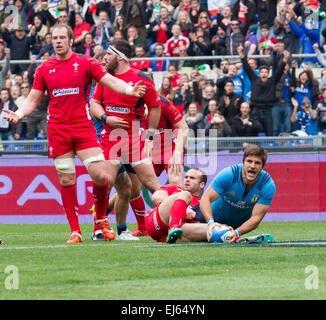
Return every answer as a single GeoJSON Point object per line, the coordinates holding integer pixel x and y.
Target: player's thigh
{"type": "Point", "coordinates": [146, 175]}
{"type": "Point", "coordinates": [164, 209]}
{"type": "Point", "coordinates": [194, 232]}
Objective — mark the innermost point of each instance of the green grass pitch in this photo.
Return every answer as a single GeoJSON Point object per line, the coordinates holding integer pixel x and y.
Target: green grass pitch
{"type": "Point", "coordinates": [47, 268]}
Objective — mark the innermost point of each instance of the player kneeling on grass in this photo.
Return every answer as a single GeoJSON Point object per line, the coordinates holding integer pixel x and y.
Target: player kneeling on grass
{"type": "Point", "coordinates": [239, 197]}
{"type": "Point", "coordinates": [174, 215]}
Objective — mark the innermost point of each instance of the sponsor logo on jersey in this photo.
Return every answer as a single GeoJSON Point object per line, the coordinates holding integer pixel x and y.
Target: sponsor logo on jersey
{"type": "Point", "coordinates": [117, 109]}
{"type": "Point", "coordinates": [255, 198]}
{"type": "Point", "coordinates": [64, 92]}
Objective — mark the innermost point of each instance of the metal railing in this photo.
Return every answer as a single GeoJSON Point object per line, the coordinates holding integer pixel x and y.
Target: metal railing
{"type": "Point", "coordinates": [197, 145]}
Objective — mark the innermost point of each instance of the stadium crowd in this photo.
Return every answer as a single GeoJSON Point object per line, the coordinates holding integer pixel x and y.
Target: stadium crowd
{"type": "Point", "coordinates": [233, 102]}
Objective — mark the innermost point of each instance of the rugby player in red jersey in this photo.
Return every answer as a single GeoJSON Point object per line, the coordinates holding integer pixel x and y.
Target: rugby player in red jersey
{"type": "Point", "coordinates": [173, 216]}
{"type": "Point", "coordinates": [123, 144]}
{"type": "Point", "coordinates": [67, 79]}
{"type": "Point", "coordinates": [167, 154]}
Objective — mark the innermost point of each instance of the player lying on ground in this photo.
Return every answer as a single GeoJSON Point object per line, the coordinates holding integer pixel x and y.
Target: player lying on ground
{"type": "Point", "coordinates": [174, 215]}
{"type": "Point", "coordinates": [240, 195]}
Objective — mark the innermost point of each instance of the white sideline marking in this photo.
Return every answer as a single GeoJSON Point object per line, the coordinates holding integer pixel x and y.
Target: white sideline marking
{"type": "Point", "coordinates": [123, 243]}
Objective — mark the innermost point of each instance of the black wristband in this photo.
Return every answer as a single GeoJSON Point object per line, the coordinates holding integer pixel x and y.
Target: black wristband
{"type": "Point", "coordinates": [150, 135]}
{"type": "Point", "coordinates": [104, 116]}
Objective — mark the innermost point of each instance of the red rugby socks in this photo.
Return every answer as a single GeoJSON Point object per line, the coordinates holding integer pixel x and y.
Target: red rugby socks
{"type": "Point", "coordinates": [138, 207]}
{"type": "Point", "coordinates": [70, 204]}
{"type": "Point", "coordinates": [178, 213]}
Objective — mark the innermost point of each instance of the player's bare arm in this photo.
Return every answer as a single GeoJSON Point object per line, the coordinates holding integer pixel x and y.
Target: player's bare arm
{"type": "Point", "coordinates": [175, 162]}
{"type": "Point", "coordinates": [153, 120]}
{"type": "Point", "coordinates": [206, 201]}
{"type": "Point", "coordinates": [258, 213]}
{"type": "Point", "coordinates": [28, 106]}
{"type": "Point", "coordinates": [98, 113]}
{"type": "Point", "coordinates": [118, 85]}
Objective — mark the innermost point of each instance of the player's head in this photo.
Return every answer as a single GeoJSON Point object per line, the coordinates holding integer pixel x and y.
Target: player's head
{"type": "Point", "coordinates": [62, 38]}
{"type": "Point", "coordinates": [118, 51]}
{"type": "Point", "coordinates": [194, 181]}
{"type": "Point", "coordinates": [254, 159]}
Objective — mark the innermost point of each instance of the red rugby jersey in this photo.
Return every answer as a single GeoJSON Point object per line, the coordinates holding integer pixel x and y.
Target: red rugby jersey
{"type": "Point", "coordinates": [129, 108]}
{"type": "Point", "coordinates": [68, 84]}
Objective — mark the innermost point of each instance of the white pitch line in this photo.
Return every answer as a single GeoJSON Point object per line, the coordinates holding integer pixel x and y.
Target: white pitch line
{"type": "Point", "coordinates": [3, 246]}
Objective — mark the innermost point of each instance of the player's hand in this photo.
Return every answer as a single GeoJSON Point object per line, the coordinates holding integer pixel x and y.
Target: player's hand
{"type": "Point", "coordinates": [139, 89]}
{"type": "Point", "coordinates": [209, 229]}
{"type": "Point", "coordinates": [12, 117]}
{"type": "Point", "coordinates": [190, 214]}
{"type": "Point", "coordinates": [176, 163]}
{"type": "Point", "coordinates": [116, 122]}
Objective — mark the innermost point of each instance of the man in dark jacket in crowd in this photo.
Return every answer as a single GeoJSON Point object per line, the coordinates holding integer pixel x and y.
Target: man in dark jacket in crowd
{"type": "Point", "coordinates": [263, 88]}
{"type": "Point", "coordinates": [19, 43]}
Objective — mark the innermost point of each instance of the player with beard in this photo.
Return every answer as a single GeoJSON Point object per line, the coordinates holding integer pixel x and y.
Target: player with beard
{"type": "Point", "coordinates": [121, 140]}
{"type": "Point", "coordinates": [176, 215]}
{"type": "Point", "coordinates": [240, 195]}
{"type": "Point", "coordinates": [67, 78]}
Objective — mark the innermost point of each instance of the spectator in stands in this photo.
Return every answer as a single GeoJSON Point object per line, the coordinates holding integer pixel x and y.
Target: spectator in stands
{"type": "Point", "coordinates": [183, 20]}
{"type": "Point", "coordinates": [19, 19]}
{"type": "Point", "coordinates": [135, 15]}
{"type": "Point", "coordinates": [305, 85]}
{"type": "Point", "coordinates": [159, 65]}
{"type": "Point", "coordinates": [306, 117]}
{"type": "Point", "coordinates": [245, 124]}
{"type": "Point", "coordinates": [14, 92]}
{"type": "Point", "coordinates": [199, 46]}
{"type": "Point", "coordinates": [245, 79]}
{"type": "Point", "coordinates": [308, 35]}
{"type": "Point", "coordinates": [176, 41]}
{"type": "Point", "coordinates": [184, 5]}
{"type": "Point", "coordinates": [234, 77]}
{"type": "Point", "coordinates": [219, 125]}
{"type": "Point", "coordinates": [166, 89]}
{"type": "Point", "coordinates": [81, 28]}
{"type": "Point", "coordinates": [183, 65]}
{"type": "Point", "coordinates": [204, 96]}
{"type": "Point", "coordinates": [174, 76]}
{"type": "Point", "coordinates": [160, 28]}
{"type": "Point", "coordinates": [266, 41]}
{"type": "Point", "coordinates": [8, 131]}
{"type": "Point", "coordinates": [141, 64]}
{"type": "Point", "coordinates": [217, 43]}
{"type": "Point", "coordinates": [223, 69]}
{"type": "Point", "coordinates": [5, 68]}
{"type": "Point", "coordinates": [184, 95]}
{"type": "Point", "coordinates": [195, 10]}
{"type": "Point", "coordinates": [229, 103]}
{"type": "Point", "coordinates": [321, 111]}
{"type": "Point", "coordinates": [19, 44]}
{"type": "Point", "coordinates": [226, 16]}
{"type": "Point", "coordinates": [63, 17]}
{"type": "Point", "coordinates": [193, 118]}
{"type": "Point", "coordinates": [263, 89]}
{"type": "Point", "coordinates": [86, 47]}
{"type": "Point", "coordinates": [244, 10]}
{"type": "Point", "coordinates": [47, 45]}
{"type": "Point", "coordinates": [41, 30]}
{"type": "Point", "coordinates": [116, 9]}
{"type": "Point", "coordinates": [267, 11]}
{"type": "Point", "coordinates": [282, 110]}
{"type": "Point", "coordinates": [41, 10]}
{"type": "Point", "coordinates": [120, 25]}
{"type": "Point", "coordinates": [211, 108]}
{"type": "Point", "coordinates": [102, 31]}
{"type": "Point", "coordinates": [134, 38]}
{"type": "Point", "coordinates": [204, 22]}
{"type": "Point", "coordinates": [236, 34]}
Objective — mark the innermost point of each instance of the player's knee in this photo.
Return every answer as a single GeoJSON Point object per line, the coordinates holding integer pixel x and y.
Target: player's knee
{"type": "Point", "coordinates": [186, 196]}
{"type": "Point", "coordinates": [65, 165]}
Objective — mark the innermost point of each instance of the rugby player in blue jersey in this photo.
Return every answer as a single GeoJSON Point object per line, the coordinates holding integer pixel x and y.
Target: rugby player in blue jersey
{"type": "Point", "coordinates": [240, 195]}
